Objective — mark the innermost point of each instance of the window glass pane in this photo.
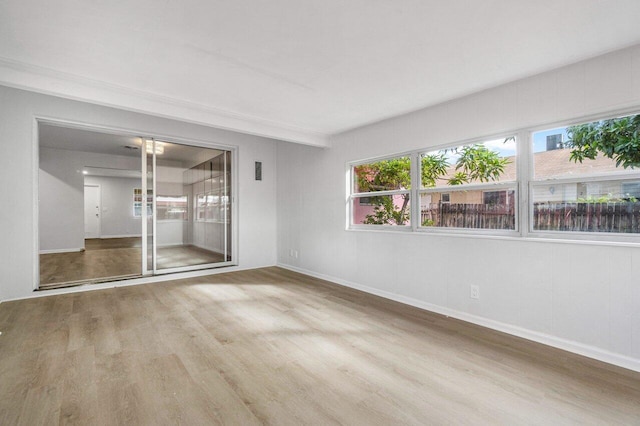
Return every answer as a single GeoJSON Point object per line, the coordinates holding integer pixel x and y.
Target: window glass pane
{"type": "Point", "coordinates": [171, 207]}
{"type": "Point", "coordinates": [579, 150]}
{"type": "Point", "coordinates": [384, 175]}
{"type": "Point", "coordinates": [476, 209]}
{"type": "Point", "coordinates": [201, 205]}
{"type": "Point", "coordinates": [488, 161]}
{"type": "Point", "coordinates": [137, 202]}
{"type": "Point", "coordinates": [589, 206]}
{"type": "Point", "coordinates": [382, 210]}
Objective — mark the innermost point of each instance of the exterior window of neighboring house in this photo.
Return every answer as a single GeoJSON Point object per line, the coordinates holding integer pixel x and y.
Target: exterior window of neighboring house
{"type": "Point", "coordinates": [380, 192]}
{"type": "Point", "coordinates": [568, 196]}
{"type": "Point", "coordinates": [631, 190]}
{"type": "Point", "coordinates": [171, 207]}
{"type": "Point", "coordinates": [498, 197]}
{"type": "Point", "coordinates": [471, 186]}
{"type": "Point", "coordinates": [365, 201]}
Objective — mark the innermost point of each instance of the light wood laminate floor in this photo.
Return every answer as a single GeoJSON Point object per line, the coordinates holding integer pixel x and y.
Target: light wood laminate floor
{"type": "Point", "coordinates": [110, 258]}
{"type": "Point", "coordinates": [271, 346]}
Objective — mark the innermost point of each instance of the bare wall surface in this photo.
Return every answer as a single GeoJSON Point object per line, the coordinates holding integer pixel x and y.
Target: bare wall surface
{"type": "Point", "coordinates": [256, 202]}
{"type": "Point", "coordinates": [585, 297]}
{"type": "Point", "coordinates": [61, 212]}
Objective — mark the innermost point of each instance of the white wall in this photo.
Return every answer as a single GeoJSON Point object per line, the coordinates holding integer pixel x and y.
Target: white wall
{"type": "Point", "coordinates": [61, 213]}
{"type": "Point", "coordinates": [61, 220]}
{"type": "Point", "coordinates": [117, 219]}
{"type": "Point", "coordinates": [582, 297]}
{"type": "Point", "coordinates": [256, 202]}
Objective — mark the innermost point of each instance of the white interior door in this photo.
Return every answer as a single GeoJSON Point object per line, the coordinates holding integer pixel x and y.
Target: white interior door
{"type": "Point", "coordinates": [92, 211]}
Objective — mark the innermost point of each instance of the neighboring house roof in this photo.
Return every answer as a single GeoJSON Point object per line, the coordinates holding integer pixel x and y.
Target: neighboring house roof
{"type": "Point", "coordinates": [551, 164]}
{"type": "Point", "coordinates": [557, 164]}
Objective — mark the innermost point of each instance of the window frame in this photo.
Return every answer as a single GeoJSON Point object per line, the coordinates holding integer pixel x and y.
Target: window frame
{"type": "Point", "coordinates": [522, 186]}
{"type": "Point", "coordinates": [416, 191]}
{"type": "Point", "coordinates": [352, 195]}
{"type": "Point", "coordinates": [530, 181]}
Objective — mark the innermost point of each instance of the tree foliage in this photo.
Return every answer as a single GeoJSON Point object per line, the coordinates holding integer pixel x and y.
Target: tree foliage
{"type": "Point", "coordinates": [617, 139]}
{"type": "Point", "coordinates": [474, 163]}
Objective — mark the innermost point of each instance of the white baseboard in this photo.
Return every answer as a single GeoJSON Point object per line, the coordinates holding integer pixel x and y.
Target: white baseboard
{"type": "Point", "coordinates": [170, 245]}
{"type": "Point", "coordinates": [208, 249]}
{"type": "Point", "coordinates": [546, 339]}
{"type": "Point", "coordinates": [120, 236]}
{"type": "Point", "coordinates": [71, 250]}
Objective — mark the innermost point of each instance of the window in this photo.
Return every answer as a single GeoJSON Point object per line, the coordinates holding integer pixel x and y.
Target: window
{"type": "Point", "coordinates": [208, 207]}
{"type": "Point", "coordinates": [577, 187]}
{"type": "Point", "coordinates": [380, 192]}
{"type": "Point", "coordinates": [171, 207]}
{"type": "Point", "coordinates": [579, 181]}
{"type": "Point", "coordinates": [137, 202]}
{"type": "Point", "coordinates": [480, 181]}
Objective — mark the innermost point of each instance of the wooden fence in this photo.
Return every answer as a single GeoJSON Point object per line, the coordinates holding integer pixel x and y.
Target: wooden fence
{"type": "Point", "coordinates": [622, 217]}
{"type": "Point", "coordinates": [587, 217]}
{"type": "Point", "coordinates": [478, 216]}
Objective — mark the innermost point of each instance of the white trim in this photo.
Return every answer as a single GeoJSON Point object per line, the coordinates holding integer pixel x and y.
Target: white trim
{"type": "Point", "coordinates": [104, 237]}
{"type": "Point", "coordinates": [171, 245]}
{"type": "Point", "coordinates": [35, 199]}
{"type": "Point", "coordinates": [69, 250]}
{"type": "Point", "coordinates": [208, 249]}
{"type": "Point", "coordinates": [535, 336]}
{"type": "Point", "coordinates": [154, 210]}
{"type": "Point", "coordinates": [39, 79]}
{"type": "Point", "coordinates": [144, 178]}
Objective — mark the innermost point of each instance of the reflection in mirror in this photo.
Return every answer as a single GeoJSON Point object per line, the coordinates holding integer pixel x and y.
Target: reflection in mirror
{"type": "Point", "coordinates": [115, 207]}
{"type": "Point", "coordinates": [88, 230]}
{"type": "Point", "coordinates": [192, 207]}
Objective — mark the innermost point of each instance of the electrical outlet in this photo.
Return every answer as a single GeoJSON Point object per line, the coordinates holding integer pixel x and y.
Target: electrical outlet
{"type": "Point", "coordinates": [295, 254]}
{"type": "Point", "coordinates": [475, 291]}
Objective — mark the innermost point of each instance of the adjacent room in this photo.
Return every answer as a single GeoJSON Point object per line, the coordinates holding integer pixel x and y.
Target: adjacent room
{"type": "Point", "coordinates": [286, 212]}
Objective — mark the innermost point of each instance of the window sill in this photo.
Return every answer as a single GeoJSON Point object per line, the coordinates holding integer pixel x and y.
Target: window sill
{"type": "Point", "coordinates": [533, 237]}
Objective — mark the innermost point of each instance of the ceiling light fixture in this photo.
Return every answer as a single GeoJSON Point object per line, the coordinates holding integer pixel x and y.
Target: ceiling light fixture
{"type": "Point", "coordinates": [159, 147]}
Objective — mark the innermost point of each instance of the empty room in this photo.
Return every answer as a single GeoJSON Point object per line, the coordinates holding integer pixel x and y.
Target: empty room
{"type": "Point", "coordinates": [336, 212]}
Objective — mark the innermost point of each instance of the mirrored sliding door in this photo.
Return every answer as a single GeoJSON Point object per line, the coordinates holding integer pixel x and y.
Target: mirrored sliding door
{"type": "Point", "coordinates": [191, 220]}
{"type": "Point", "coordinates": [116, 207]}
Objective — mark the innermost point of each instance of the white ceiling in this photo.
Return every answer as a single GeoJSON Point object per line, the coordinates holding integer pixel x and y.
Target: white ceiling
{"type": "Point", "coordinates": [297, 70]}
{"type": "Point", "coordinates": [72, 139]}
{"type": "Point", "coordinates": [79, 139]}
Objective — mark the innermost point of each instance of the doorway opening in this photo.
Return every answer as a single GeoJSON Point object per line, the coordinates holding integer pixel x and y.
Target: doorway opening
{"type": "Point", "coordinates": [114, 206]}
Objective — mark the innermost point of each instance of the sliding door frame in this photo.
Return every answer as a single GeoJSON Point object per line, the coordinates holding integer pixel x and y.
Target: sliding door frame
{"type": "Point", "coordinates": [232, 218]}
{"type": "Point", "coordinates": [233, 199]}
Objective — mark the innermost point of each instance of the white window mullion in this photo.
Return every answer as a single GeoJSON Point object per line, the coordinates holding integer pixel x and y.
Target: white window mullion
{"type": "Point", "coordinates": [414, 197]}
{"type": "Point", "coordinates": [524, 175]}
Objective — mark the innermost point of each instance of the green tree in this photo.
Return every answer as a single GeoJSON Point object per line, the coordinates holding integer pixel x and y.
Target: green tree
{"type": "Point", "coordinates": [617, 139]}
{"type": "Point", "coordinates": [474, 163]}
